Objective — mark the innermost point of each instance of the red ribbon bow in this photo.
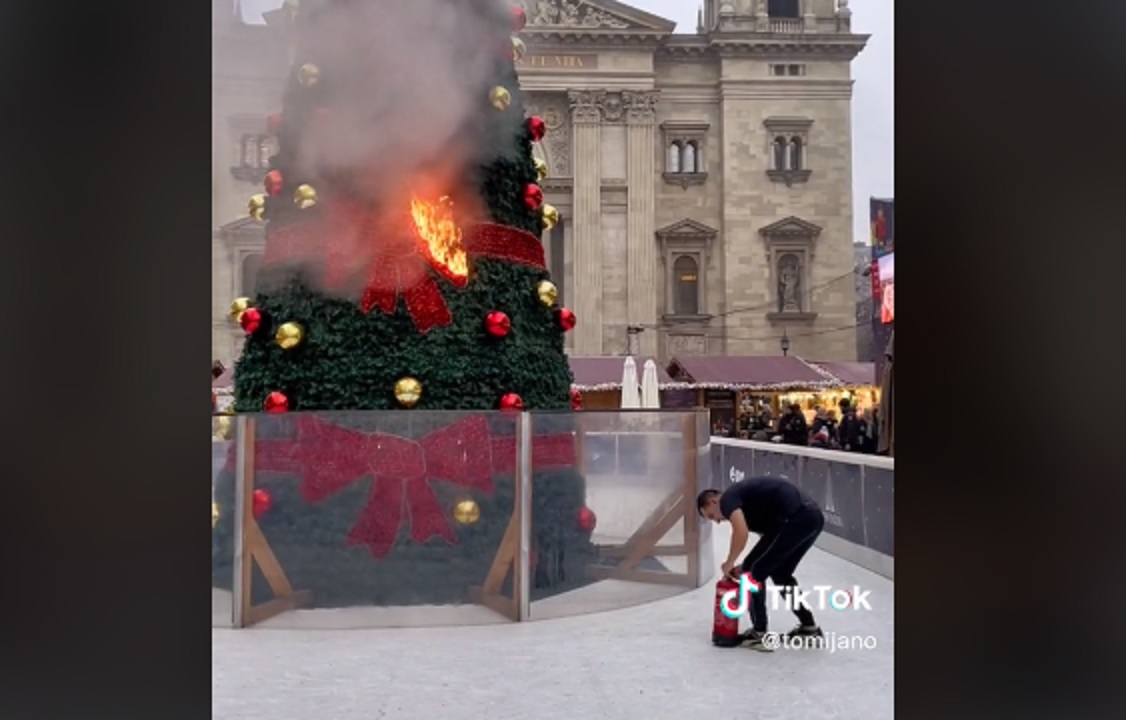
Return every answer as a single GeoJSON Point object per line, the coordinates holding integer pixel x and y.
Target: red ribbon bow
{"type": "Point", "coordinates": [329, 458]}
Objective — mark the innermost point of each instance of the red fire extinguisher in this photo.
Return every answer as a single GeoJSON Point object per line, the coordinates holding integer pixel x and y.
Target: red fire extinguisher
{"type": "Point", "coordinates": [725, 630]}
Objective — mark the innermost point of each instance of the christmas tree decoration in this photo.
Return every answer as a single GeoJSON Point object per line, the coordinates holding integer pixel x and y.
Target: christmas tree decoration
{"type": "Point", "coordinates": [273, 183]}
{"type": "Point", "coordinates": [467, 512]}
{"type": "Point", "coordinates": [511, 401]}
{"type": "Point", "coordinates": [256, 207]}
{"type": "Point", "coordinates": [260, 505]}
{"type": "Point", "coordinates": [500, 98]}
{"type": "Point", "coordinates": [214, 514]}
{"type": "Point", "coordinates": [537, 128]}
{"type": "Point", "coordinates": [223, 427]}
{"type": "Point", "coordinates": [567, 319]}
{"type": "Point", "coordinates": [519, 18]}
{"type": "Point", "coordinates": [276, 402]}
{"type": "Point", "coordinates": [576, 399]}
{"type": "Point", "coordinates": [250, 320]}
{"type": "Point", "coordinates": [518, 49]}
{"type": "Point", "coordinates": [533, 196]}
{"type": "Point", "coordinates": [305, 196]}
{"type": "Point", "coordinates": [547, 292]}
{"type": "Point", "coordinates": [549, 216]}
{"type": "Point", "coordinates": [273, 124]}
{"type": "Point", "coordinates": [498, 324]}
{"type": "Point", "coordinates": [238, 307]}
{"type": "Point", "coordinates": [289, 335]}
{"type": "Point", "coordinates": [408, 391]}
{"type": "Point", "coordinates": [308, 75]}
{"type": "Point", "coordinates": [587, 520]}
{"type": "Point", "coordinates": [541, 169]}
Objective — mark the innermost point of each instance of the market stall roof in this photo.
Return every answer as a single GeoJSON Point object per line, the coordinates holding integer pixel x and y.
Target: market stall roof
{"type": "Point", "coordinates": [605, 373]}
{"type": "Point", "coordinates": [749, 372]}
{"type": "Point", "coordinates": [851, 374]}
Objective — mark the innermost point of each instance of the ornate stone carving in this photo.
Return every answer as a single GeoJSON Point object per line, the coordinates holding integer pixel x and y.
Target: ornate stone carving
{"type": "Point", "coordinates": [687, 345]}
{"type": "Point", "coordinates": [555, 148]}
{"type": "Point", "coordinates": [613, 108]}
{"type": "Point", "coordinates": [586, 105]}
{"type": "Point", "coordinates": [571, 13]}
{"type": "Point", "coordinates": [789, 283]}
{"type": "Point", "coordinates": [641, 106]}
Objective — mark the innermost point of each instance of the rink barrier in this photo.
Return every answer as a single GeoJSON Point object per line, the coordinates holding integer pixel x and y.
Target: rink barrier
{"type": "Point", "coordinates": [856, 493]}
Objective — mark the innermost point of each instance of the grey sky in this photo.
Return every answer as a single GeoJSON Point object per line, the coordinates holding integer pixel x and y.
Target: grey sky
{"type": "Point", "coordinates": [873, 116]}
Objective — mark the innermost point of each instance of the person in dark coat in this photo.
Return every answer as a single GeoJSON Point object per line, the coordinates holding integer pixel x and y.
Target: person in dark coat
{"type": "Point", "coordinates": [793, 427]}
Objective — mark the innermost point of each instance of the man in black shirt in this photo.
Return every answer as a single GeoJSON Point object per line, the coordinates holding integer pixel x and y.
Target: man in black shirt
{"type": "Point", "coordinates": [787, 521]}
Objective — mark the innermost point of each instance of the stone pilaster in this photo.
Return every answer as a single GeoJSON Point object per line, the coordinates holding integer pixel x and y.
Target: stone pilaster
{"type": "Point", "coordinates": [641, 173]}
{"type": "Point", "coordinates": [586, 118]}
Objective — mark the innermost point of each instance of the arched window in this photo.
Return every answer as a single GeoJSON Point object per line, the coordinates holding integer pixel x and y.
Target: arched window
{"type": "Point", "coordinates": [780, 153]}
{"type": "Point", "coordinates": [796, 153]}
{"type": "Point", "coordinates": [672, 163]}
{"type": "Point", "coordinates": [250, 266]}
{"type": "Point", "coordinates": [686, 283]}
{"type": "Point", "coordinates": [783, 8]}
{"type": "Point", "coordinates": [689, 165]}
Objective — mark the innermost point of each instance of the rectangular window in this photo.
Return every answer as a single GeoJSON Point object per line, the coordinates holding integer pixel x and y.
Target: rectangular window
{"type": "Point", "coordinates": [778, 70]}
{"type": "Point", "coordinates": [795, 69]}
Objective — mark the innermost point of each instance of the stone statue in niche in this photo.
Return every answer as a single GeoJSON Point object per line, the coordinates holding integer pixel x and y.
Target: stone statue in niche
{"type": "Point", "coordinates": [789, 284]}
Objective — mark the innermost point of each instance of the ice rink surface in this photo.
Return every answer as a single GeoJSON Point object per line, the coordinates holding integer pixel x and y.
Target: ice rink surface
{"type": "Point", "coordinates": [653, 661]}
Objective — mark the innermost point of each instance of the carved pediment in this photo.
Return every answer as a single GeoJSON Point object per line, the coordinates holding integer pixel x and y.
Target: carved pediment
{"type": "Point", "coordinates": [791, 228]}
{"type": "Point", "coordinates": [591, 15]}
{"type": "Point", "coordinates": [687, 229]}
{"type": "Point", "coordinates": [243, 229]}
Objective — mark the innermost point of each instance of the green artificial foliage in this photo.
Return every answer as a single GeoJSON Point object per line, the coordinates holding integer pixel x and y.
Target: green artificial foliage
{"type": "Point", "coordinates": [350, 361]}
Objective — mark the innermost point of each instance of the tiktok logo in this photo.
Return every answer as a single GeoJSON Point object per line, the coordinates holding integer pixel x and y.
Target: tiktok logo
{"type": "Point", "coordinates": [735, 603]}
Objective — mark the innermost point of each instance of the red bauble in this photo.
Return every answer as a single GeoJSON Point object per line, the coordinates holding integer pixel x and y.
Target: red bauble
{"type": "Point", "coordinates": [498, 324]}
{"type": "Point", "coordinates": [276, 402]}
{"type": "Point", "coordinates": [519, 18]}
{"type": "Point", "coordinates": [537, 128]}
{"type": "Point", "coordinates": [273, 123]}
{"type": "Point", "coordinates": [567, 319]}
{"type": "Point", "coordinates": [576, 399]}
{"type": "Point", "coordinates": [511, 401]}
{"type": "Point", "coordinates": [261, 504]}
{"type": "Point", "coordinates": [250, 319]}
{"type": "Point", "coordinates": [273, 182]}
{"type": "Point", "coordinates": [533, 196]}
{"type": "Point", "coordinates": [587, 520]}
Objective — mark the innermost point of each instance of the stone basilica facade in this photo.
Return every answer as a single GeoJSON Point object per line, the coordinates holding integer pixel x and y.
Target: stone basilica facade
{"type": "Point", "coordinates": [704, 180]}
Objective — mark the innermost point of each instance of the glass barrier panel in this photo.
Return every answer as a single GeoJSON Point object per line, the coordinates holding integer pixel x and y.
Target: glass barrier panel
{"type": "Point", "coordinates": [222, 552]}
{"type": "Point", "coordinates": [363, 519]}
{"type": "Point", "coordinates": [613, 519]}
{"type": "Point", "coordinates": [836, 487]}
{"type": "Point", "coordinates": [879, 508]}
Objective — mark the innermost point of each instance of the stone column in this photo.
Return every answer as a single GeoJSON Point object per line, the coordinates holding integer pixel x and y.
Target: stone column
{"type": "Point", "coordinates": [641, 118]}
{"type": "Point", "coordinates": [586, 169]}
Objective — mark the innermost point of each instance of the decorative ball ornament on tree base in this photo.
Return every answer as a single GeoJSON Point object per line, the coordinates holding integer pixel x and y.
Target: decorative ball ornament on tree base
{"type": "Point", "coordinates": [500, 98]}
{"type": "Point", "coordinates": [587, 520]}
{"type": "Point", "coordinates": [541, 169]}
{"type": "Point", "coordinates": [261, 503]}
{"type": "Point", "coordinates": [289, 335]}
{"type": "Point", "coordinates": [256, 207]}
{"type": "Point", "coordinates": [511, 401]}
{"type": "Point", "coordinates": [214, 514]}
{"type": "Point", "coordinates": [223, 427]}
{"type": "Point", "coordinates": [518, 49]}
{"type": "Point", "coordinates": [305, 196]}
{"type": "Point", "coordinates": [498, 324]}
{"type": "Point", "coordinates": [273, 183]}
{"type": "Point", "coordinates": [576, 399]}
{"type": "Point", "coordinates": [537, 128]}
{"type": "Point", "coordinates": [547, 293]}
{"type": "Point", "coordinates": [519, 18]}
{"type": "Point", "coordinates": [308, 75]}
{"type": "Point", "coordinates": [567, 319]}
{"type": "Point", "coordinates": [467, 512]}
{"type": "Point", "coordinates": [276, 402]}
{"type": "Point", "coordinates": [238, 307]}
{"type": "Point", "coordinates": [533, 196]}
{"type": "Point", "coordinates": [250, 320]}
{"type": "Point", "coordinates": [549, 216]}
{"type": "Point", "coordinates": [408, 392]}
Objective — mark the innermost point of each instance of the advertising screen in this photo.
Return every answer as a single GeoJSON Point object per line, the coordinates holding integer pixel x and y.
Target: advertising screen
{"type": "Point", "coordinates": [887, 288]}
{"type": "Point", "coordinates": [882, 218]}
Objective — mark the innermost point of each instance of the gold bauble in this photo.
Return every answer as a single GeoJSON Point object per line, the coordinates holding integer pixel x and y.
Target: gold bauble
{"type": "Point", "coordinates": [214, 514]}
{"type": "Point", "coordinates": [238, 307]}
{"type": "Point", "coordinates": [289, 335]}
{"type": "Point", "coordinates": [408, 392]}
{"type": "Point", "coordinates": [518, 48]}
{"type": "Point", "coordinates": [308, 75]}
{"type": "Point", "coordinates": [256, 207]}
{"type": "Point", "coordinates": [549, 216]}
{"type": "Point", "coordinates": [305, 196]}
{"type": "Point", "coordinates": [541, 169]}
{"type": "Point", "coordinates": [467, 512]}
{"type": "Point", "coordinates": [500, 98]}
{"type": "Point", "coordinates": [547, 292]}
{"type": "Point", "coordinates": [223, 427]}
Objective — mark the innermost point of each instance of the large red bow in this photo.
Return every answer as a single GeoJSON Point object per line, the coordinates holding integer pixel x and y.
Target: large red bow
{"type": "Point", "coordinates": [329, 458]}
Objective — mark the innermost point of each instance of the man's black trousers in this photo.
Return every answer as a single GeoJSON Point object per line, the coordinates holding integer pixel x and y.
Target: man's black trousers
{"type": "Point", "coordinates": [777, 555]}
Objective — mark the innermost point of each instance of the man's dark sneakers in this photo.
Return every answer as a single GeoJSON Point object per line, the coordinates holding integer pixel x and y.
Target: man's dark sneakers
{"type": "Point", "coordinates": [801, 632]}
{"type": "Point", "coordinates": [756, 640]}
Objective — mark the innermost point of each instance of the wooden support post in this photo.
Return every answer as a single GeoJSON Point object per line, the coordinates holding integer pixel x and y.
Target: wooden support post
{"type": "Point", "coordinates": [691, 516]}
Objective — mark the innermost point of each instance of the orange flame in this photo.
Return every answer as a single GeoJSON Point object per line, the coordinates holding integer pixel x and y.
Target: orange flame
{"type": "Point", "coordinates": [436, 226]}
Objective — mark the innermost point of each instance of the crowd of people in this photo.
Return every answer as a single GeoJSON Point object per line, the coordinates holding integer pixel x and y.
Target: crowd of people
{"type": "Point", "coordinates": [848, 430]}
